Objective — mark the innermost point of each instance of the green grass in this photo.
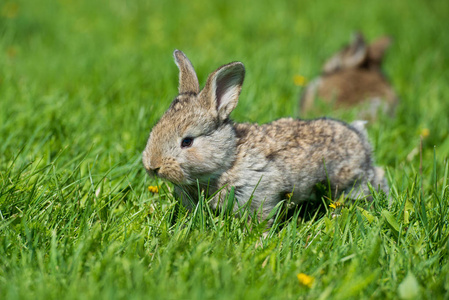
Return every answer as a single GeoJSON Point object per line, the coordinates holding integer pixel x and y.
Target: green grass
{"type": "Point", "coordinates": [81, 85]}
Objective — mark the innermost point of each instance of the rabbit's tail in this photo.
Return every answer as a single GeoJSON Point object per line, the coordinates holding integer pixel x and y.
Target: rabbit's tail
{"type": "Point", "coordinates": [359, 125]}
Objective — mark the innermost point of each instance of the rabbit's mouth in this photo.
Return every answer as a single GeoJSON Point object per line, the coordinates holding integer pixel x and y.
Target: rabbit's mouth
{"type": "Point", "coordinates": [172, 174]}
{"type": "Point", "coordinates": [168, 169]}
{"type": "Point", "coordinates": [186, 179]}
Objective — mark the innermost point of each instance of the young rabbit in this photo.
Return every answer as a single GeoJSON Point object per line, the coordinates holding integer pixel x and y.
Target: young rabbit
{"type": "Point", "coordinates": [197, 147]}
{"type": "Point", "coordinates": [353, 76]}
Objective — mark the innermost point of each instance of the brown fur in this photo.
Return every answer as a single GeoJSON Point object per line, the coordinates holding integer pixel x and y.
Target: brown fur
{"type": "Point", "coordinates": [353, 77]}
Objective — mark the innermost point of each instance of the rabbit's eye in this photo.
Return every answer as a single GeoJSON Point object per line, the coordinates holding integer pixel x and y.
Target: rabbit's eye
{"type": "Point", "coordinates": [186, 142]}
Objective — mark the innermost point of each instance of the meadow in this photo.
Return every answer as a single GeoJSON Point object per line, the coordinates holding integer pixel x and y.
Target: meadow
{"type": "Point", "coordinates": [82, 83]}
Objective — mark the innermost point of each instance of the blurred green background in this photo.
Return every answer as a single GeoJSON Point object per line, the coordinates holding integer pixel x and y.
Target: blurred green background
{"type": "Point", "coordinates": [99, 66]}
{"type": "Point", "coordinates": [83, 81]}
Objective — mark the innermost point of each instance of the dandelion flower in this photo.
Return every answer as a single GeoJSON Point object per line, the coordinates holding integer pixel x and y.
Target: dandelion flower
{"type": "Point", "coordinates": [10, 10]}
{"type": "Point", "coordinates": [425, 132]}
{"type": "Point", "coordinates": [299, 80]}
{"type": "Point", "coordinates": [11, 52]}
{"type": "Point", "coordinates": [334, 205]}
{"type": "Point", "coordinates": [153, 189]}
{"type": "Point", "coordinates": [305, 280]}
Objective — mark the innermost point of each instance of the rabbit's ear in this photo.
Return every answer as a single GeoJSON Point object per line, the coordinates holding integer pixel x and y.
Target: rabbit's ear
{"type": "Point", "coordinates": [356, 51]}
{"type": "Point", "coordinates": [376, 50]}
{"type": "Point", "coordinates": [188, 81]}
{"type": "Point", "coordinates": [223, 88]}
{"type": "Point", "coordinates": [350, 57]}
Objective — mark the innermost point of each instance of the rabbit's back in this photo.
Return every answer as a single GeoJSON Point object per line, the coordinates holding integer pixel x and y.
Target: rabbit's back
{"type": "Point", "coordinates": [350, 87]}
{"type": "Point", "coordinates": [291, 139]}
{"type": "Point", "coordinates": [295, 155]}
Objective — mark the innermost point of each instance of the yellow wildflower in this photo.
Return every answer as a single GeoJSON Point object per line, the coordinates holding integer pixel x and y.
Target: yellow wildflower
{"type": "Point", "coordinates": [289, 195]}
{"type": "Point", "coordinates": [425, 132]}
{"type": "Point", "coordinates": [334, 205]}
{"type": "Point", "coordinates": [305, 280]}
{"type": "Point", "coordinates": [12, 52]}
{"type": "Point", "coordinates": [299, 80]}
{"type": "Point", "coordinates": [153, 189]}
{"type": "Point", "coordinates": [10, 10]}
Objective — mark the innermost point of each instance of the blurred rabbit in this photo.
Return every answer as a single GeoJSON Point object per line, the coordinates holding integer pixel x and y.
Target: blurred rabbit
{"type": "Point", "coordinates": [353, 76]}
